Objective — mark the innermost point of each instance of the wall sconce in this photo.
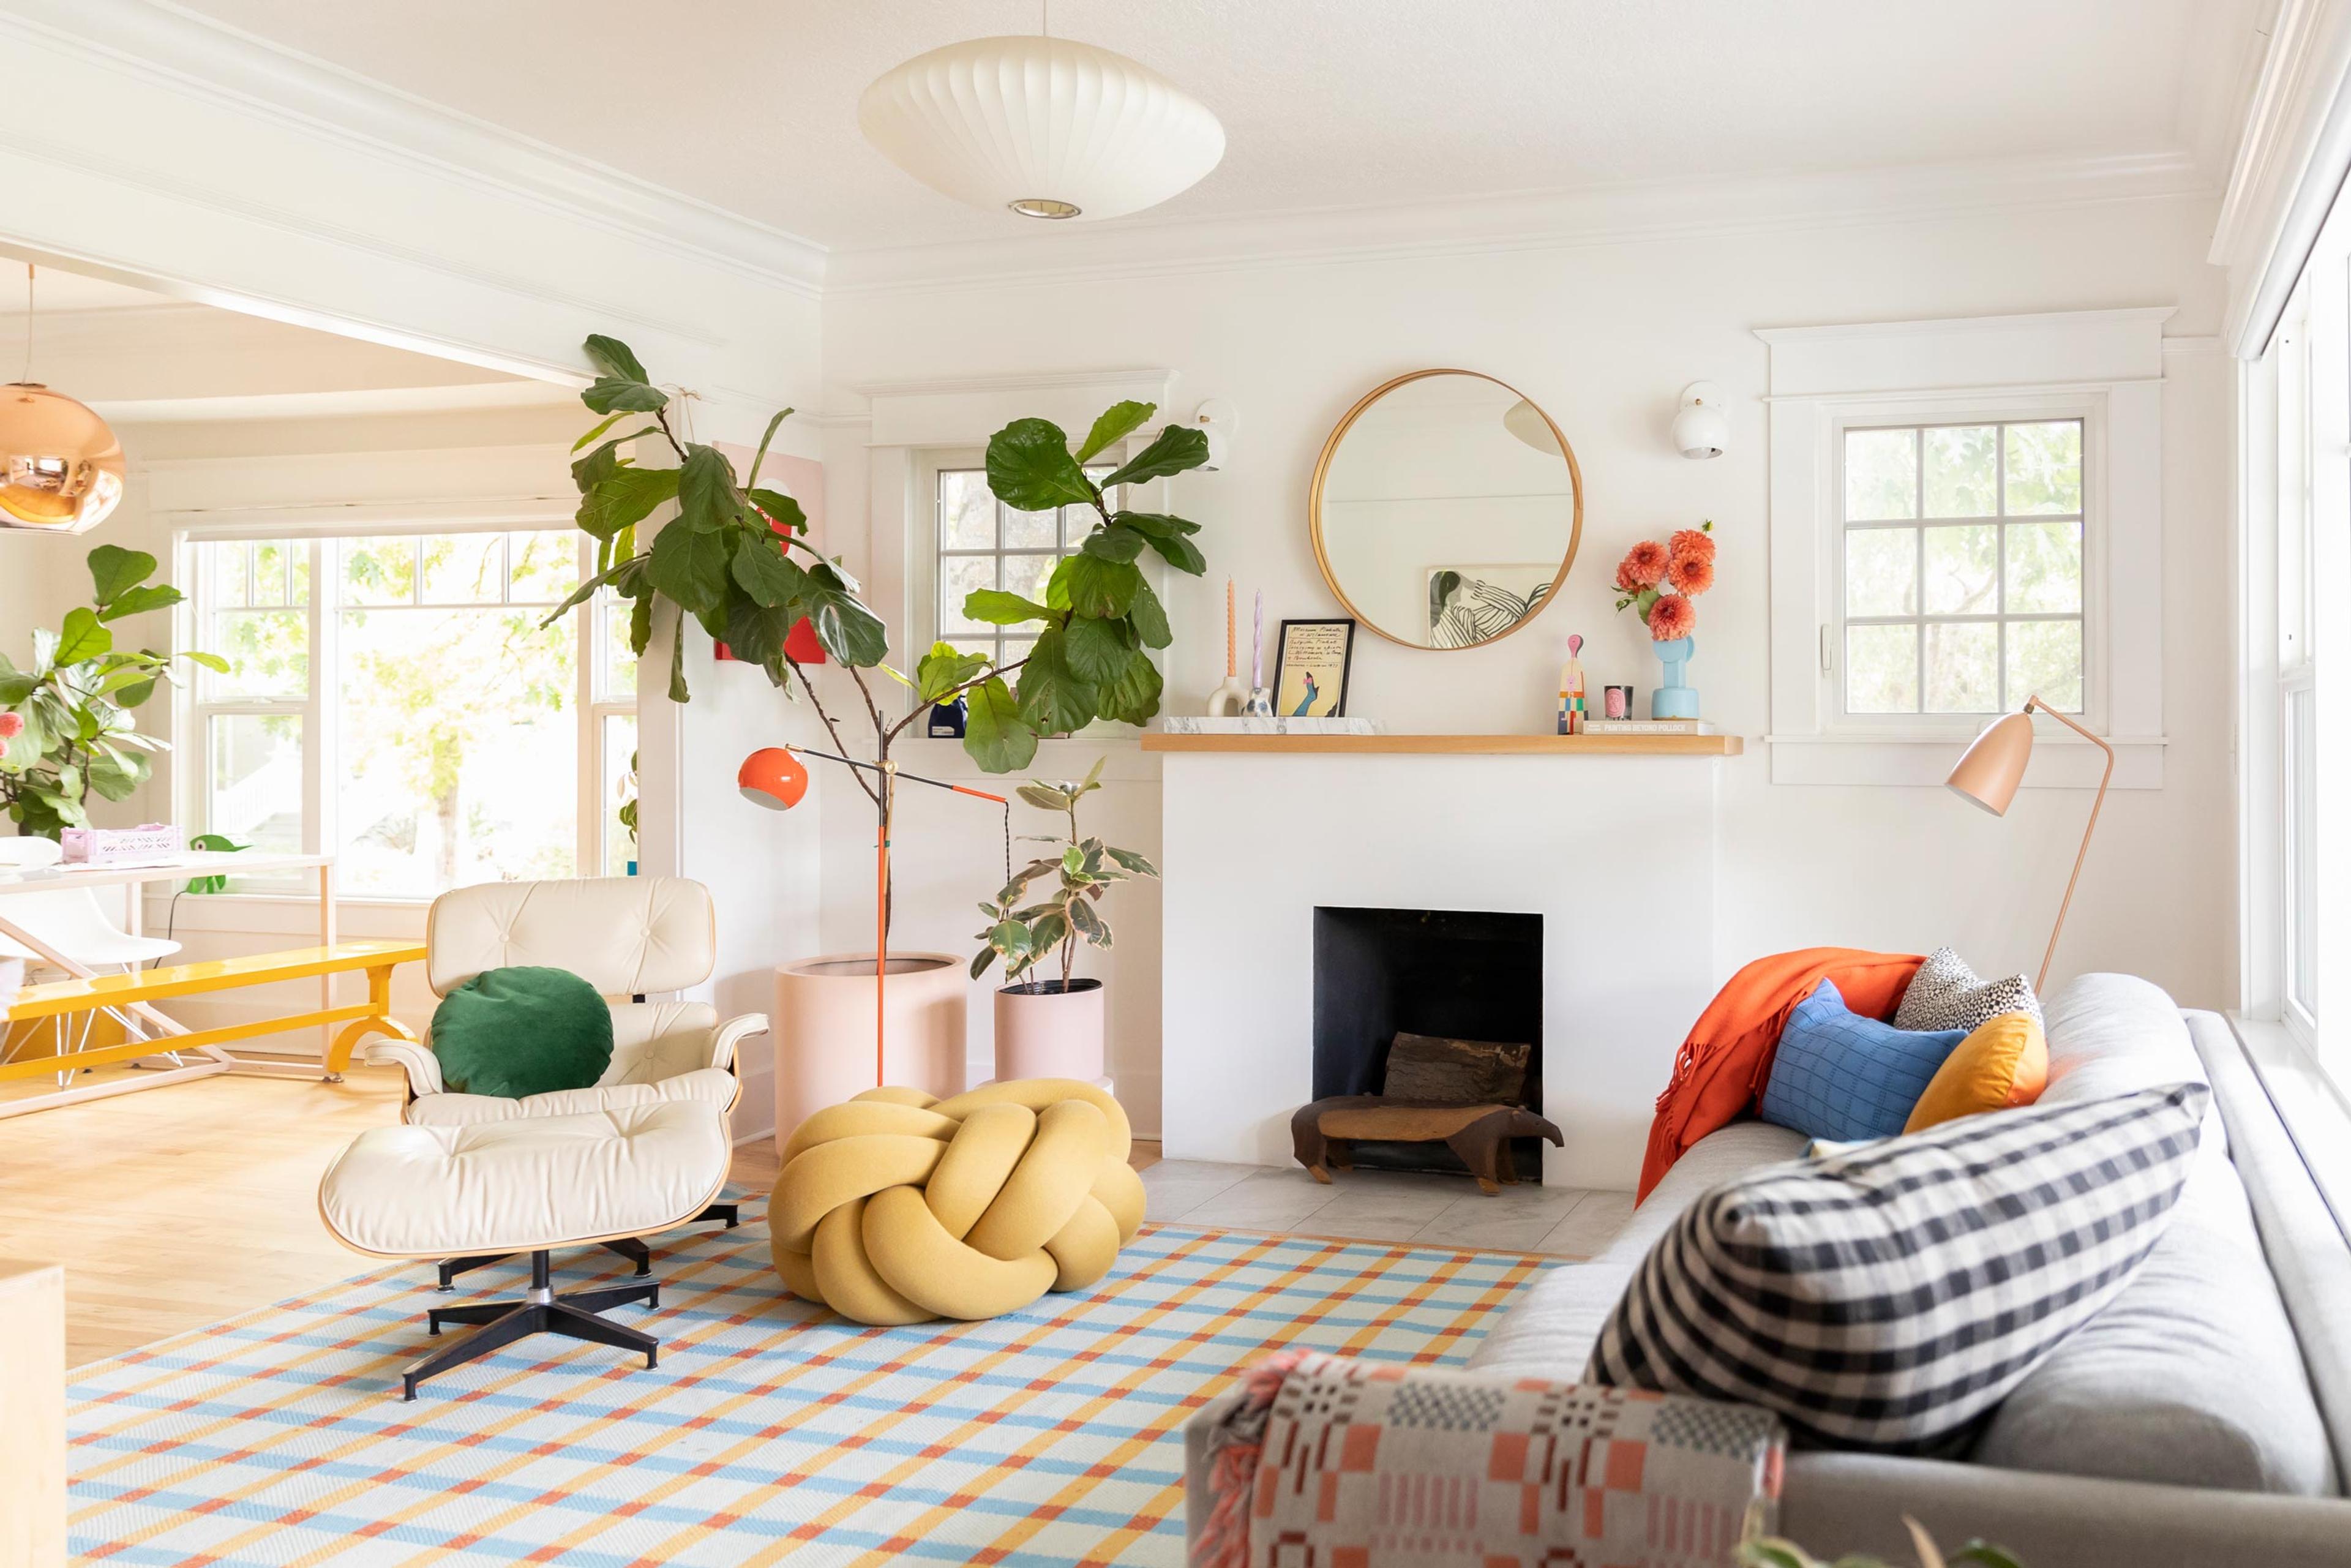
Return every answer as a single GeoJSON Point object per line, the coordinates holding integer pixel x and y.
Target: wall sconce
{"type": "Point", "coordinates": [1217, 419]}
{"type": "Point", "coordinates": [1701, 429]}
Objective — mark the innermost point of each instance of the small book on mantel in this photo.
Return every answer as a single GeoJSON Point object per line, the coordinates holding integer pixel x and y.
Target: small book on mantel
{"type": "Point", "coordinates": [1650, 727]}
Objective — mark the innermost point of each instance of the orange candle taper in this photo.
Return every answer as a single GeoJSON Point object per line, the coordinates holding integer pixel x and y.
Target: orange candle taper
{"type": "Point", "coordinates": [1232, 649]}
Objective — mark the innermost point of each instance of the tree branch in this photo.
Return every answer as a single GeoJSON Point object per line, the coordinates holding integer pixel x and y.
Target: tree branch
{"type": "Point", "coordinates": [660, 417]}
{"type": "Point", "coordinates": [979, 680]}
{"type": "Point", "coordinates": [831, 729]}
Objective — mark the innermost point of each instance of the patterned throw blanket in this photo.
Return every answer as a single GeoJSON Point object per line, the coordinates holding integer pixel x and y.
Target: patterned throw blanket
{"type": "Point", "coordinates": [1329, 1461]}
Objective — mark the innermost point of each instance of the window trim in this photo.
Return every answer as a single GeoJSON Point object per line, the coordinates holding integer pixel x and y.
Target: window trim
{"type": "Point", "coordinates": [1906, 415]}
{"type": "Point", "coordinates": [191, 715]}
{"type": "Point", "coordinates": [2105, 366]}
{"type": "Point", "coordinates": [924, 551]}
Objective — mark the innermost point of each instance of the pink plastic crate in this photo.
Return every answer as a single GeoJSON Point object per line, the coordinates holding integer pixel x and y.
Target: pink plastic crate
{"type": "Point", "coordinates": [149, 841]}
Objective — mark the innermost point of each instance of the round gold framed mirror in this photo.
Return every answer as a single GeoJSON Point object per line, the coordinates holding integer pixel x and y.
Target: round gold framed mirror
{"type": "Point", "coordinates": [1446, 510]}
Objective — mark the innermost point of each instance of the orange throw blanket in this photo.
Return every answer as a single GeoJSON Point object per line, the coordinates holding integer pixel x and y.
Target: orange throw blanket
{"type": "Point", "coordinates": [1720, 1071]}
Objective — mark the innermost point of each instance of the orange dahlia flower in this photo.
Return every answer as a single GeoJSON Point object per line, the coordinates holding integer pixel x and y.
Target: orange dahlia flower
{"type": "Point", "coordinates": [1690, 574]}
{"type": "Point", "coordinates": [1691, 544]}
{"type": "Point", "coordinates": [1671, 617]}
{"type": "Point", "coordinates": [1644, 565]}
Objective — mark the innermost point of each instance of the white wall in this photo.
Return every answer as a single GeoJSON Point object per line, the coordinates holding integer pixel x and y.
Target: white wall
{"type": "Point", "coordinates": [1603, 337]}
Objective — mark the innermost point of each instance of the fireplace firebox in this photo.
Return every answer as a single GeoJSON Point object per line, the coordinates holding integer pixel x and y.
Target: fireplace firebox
{"type": "Point", "coordinates": [1454, 975]}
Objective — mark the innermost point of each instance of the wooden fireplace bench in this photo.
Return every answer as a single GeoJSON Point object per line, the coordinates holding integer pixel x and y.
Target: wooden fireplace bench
{"type": "Point", "coordinates": [129, 995]}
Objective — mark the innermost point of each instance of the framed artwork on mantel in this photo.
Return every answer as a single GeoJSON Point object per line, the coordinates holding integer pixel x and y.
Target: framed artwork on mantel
{"type": "Point", "coordinates": [1309, 672]}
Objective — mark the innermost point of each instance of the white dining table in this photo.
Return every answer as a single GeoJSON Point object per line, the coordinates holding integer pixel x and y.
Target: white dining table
{"type": "Point", "coordinates": [184, 866]}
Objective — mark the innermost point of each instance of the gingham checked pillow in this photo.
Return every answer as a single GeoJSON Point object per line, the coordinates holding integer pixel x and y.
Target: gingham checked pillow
{"type": "Point", "coordinates": [1887, 1297]}
{"type": "Point", "coordinates": [1946, 994]}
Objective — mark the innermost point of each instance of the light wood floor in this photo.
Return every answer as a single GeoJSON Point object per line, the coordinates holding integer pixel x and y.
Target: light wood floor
{"type": "Point", "coordinates": [186, 1204]}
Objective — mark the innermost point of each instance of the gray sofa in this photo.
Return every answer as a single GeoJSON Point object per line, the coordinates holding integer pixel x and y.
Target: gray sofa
{"type": "Point", "coordinates": [2203, 1417]}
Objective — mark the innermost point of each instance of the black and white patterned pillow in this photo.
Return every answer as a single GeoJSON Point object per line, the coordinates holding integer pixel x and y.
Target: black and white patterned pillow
{"type": "Point", "coordinates": [1890, 1297]}
{"type": "Point", "coordinates": [1946, 994]}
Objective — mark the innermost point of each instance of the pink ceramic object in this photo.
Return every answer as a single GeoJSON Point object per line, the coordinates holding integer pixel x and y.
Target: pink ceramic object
{"type": "Point", "coordinates": [824, 1031]}
{"type": "Point", "coordinates": [1050, 1034]}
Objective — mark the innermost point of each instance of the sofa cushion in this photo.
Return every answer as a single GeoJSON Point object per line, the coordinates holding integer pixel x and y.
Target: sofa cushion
{"type": "Point", "coordinates": [2191, 1376]}
{"type": "Point", "coordinates": [1946, 994]}
{"type": "Point", "coordinates": [1888, 1299]}
{"type": "Point", "coordinates": [1837, 1074]}
{"type": "Point", "coordinates": [1550, 1329]}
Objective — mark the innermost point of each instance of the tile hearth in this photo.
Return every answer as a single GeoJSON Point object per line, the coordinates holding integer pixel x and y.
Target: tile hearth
{"type": "Point", "coordinates": [1385, 1206]}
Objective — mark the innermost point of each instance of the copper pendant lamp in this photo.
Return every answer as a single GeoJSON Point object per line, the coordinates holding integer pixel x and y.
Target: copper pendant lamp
{"type": "Point", "coordinates": [60, 466]}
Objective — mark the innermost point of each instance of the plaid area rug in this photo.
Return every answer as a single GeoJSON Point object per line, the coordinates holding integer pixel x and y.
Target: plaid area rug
{"type": "Point", "coordinates": [770, 1431]}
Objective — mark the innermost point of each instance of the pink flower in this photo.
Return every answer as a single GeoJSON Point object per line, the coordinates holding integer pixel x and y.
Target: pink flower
{"type": "Point", "coordinates": [1691, 544]}
{"type": "Point", "coordinates": [1642, 565]}
{"type": "Point", "coordinates": [1690, 574]}
{"type": "Point", "coordinates": [1671, 617]}
{"type": "Point", "coordinates": [11, 725]}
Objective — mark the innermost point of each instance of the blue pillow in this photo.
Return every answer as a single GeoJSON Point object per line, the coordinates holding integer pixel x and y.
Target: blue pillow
{"type": "Point", "coordinates": [1841, 1076]}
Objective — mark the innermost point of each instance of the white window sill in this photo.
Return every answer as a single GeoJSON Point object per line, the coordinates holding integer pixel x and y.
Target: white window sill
{"type": "Point", "coordinates": [291, 913]}
{"type": "Point", "coordinates": [1068, 757]}
{"type": "Point", "coordinates": [2059, 761]}
{"type": "Point", "coordinates": [2310, 1103]}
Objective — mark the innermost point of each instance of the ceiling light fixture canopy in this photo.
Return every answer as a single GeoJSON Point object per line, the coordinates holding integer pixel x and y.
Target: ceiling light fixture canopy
{"type": "Point", "coordinates": [1046, 127]}
{"type": "Point", "coordinates": [60, 466]}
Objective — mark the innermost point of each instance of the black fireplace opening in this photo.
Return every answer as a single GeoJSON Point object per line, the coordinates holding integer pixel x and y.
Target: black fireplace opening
{"type": "Point", "coordinates": [1454, 974]}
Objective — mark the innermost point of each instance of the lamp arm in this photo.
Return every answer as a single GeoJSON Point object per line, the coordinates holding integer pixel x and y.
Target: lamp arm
{"type": "Point", "coordinates": [2104, 778]}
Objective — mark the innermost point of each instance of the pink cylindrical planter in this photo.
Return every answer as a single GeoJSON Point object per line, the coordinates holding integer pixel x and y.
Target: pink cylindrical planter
{"type": "Point", "coordinates": [824, 1031]}
{"type": "Point", "coordinates": [1050, 1034]}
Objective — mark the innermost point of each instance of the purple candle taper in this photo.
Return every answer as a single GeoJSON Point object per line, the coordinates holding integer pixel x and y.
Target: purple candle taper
{"type": "Point", "coordinates": [1257, 644]}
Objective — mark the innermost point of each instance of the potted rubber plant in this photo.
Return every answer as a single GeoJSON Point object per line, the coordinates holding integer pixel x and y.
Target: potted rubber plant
{"type": "Point", "coordinates": [1048, 1019]}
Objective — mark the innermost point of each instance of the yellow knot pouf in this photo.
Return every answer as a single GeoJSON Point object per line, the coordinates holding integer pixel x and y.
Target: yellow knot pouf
{"type": "Point", "coordinates": [898, 1208]}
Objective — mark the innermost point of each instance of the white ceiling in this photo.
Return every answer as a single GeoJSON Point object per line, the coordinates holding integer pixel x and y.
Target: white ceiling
{"type": "Point", "coordinates": [751, 105]}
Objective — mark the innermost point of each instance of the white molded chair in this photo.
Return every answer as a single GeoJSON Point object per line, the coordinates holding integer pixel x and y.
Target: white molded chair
{"type": "Point", "coordinates": [627, 936]}
{"type": "Point", "coordinates": [67, 920]}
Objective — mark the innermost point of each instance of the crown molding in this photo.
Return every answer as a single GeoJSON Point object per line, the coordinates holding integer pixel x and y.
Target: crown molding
{"type": "Point", "coordinates": [160, 43]}
{"type": "Point", "coordinates": [2290, 164]}
{"type": "Point", "coordinates": [1012, 381]}
{"type": "Point", "coordinates": [1596, 215]}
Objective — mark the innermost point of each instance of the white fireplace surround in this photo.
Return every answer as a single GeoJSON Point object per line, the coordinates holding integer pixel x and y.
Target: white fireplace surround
{"type": "Point", "coordinates": [1253, 843]}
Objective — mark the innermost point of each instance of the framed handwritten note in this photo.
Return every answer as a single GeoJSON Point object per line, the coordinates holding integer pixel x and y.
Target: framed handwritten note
{"type": "Point", "coordinates": [1310, 677]}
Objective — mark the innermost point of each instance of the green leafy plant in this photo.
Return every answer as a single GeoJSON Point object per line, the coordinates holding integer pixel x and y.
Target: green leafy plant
{"type": "Point", "coordinates": [1770, 1551]}
{"type": "Point", "coordinates": [72, 731]}
{"type": "Point", "coordinates": [1024, 933]}
{"type": "Point", "coordinates": [220, 844]}
{"type": "Point", "coordinates": [736, 560]}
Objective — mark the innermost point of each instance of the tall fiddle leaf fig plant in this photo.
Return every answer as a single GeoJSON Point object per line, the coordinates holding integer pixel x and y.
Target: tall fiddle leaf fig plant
{"type": "Point", "coordinates": [67, 729]}
{"type": "Point", "coordinates": [736, 559]}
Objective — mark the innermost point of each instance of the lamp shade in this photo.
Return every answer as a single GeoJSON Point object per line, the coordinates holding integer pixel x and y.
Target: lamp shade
{"type": "Point", "coordinates": [1993, 763]}
{"type": "Point", "coordinates": [1048, 128]}
{"type": "Point", "coordinates": [60, 466]}
{"type": "Point", "coordinates": [773, 778]}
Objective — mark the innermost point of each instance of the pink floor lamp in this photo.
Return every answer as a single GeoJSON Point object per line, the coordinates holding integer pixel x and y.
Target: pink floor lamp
{"type": "Point", "coordinates": [774, 776]}
{"type": "Point", "coordinates": [1993, 767]}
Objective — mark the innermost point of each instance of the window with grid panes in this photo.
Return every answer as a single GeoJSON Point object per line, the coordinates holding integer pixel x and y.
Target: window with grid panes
{"type": "Point", "coordinates": [983, 543]}
{"type": "Point", "coordinates": [395, 701]}
{"type": "Point", "coordinates": [1962, 569]}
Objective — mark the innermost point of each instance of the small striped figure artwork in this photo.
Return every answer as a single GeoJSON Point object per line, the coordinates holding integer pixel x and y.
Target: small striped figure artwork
{"type": "Point", "coordinates": [1571, 709]}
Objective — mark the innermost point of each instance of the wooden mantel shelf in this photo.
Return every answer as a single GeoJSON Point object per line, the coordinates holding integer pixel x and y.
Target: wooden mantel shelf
{"type": "Point", "coordinates": [1460, 745]}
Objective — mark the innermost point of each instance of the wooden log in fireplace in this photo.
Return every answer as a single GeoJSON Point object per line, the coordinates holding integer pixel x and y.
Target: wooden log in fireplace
{"type": "Point", "coordinates": [1463, 1094]}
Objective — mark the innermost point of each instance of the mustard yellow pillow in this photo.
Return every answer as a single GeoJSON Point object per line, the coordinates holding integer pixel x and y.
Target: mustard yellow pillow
{"type": "Point", "coordinates": [2004, 1062]}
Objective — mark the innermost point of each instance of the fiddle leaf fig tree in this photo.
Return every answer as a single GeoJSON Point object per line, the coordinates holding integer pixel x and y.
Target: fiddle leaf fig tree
{"type": "Point", "coordinates": [736, 559]}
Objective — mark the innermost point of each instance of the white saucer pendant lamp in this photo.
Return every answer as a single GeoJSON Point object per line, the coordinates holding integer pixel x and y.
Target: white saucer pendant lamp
{"type": "Point", "coordinates": [60, 466]}
{"type": "Point", "coordinates": [1048, 128]}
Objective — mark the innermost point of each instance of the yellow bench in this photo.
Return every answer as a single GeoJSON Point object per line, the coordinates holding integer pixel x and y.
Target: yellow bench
{"type": "Point", "coordinates": [134, 991]}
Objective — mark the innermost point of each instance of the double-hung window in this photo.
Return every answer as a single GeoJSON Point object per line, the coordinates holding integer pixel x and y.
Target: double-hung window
{"type": "Point", "coordinates": [1963, 567]}
{"type": "Point", "coordinates": [980, 542]}
{"type": "Point", "coordinates": [393, 699]}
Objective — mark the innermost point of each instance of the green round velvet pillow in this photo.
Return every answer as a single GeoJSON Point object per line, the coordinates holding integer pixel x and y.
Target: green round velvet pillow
{"type": "Point", "coordinates": [524, 1030]}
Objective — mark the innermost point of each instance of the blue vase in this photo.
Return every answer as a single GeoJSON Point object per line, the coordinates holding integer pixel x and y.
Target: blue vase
{"type": "Point", "coordinates": [1674, 698]}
